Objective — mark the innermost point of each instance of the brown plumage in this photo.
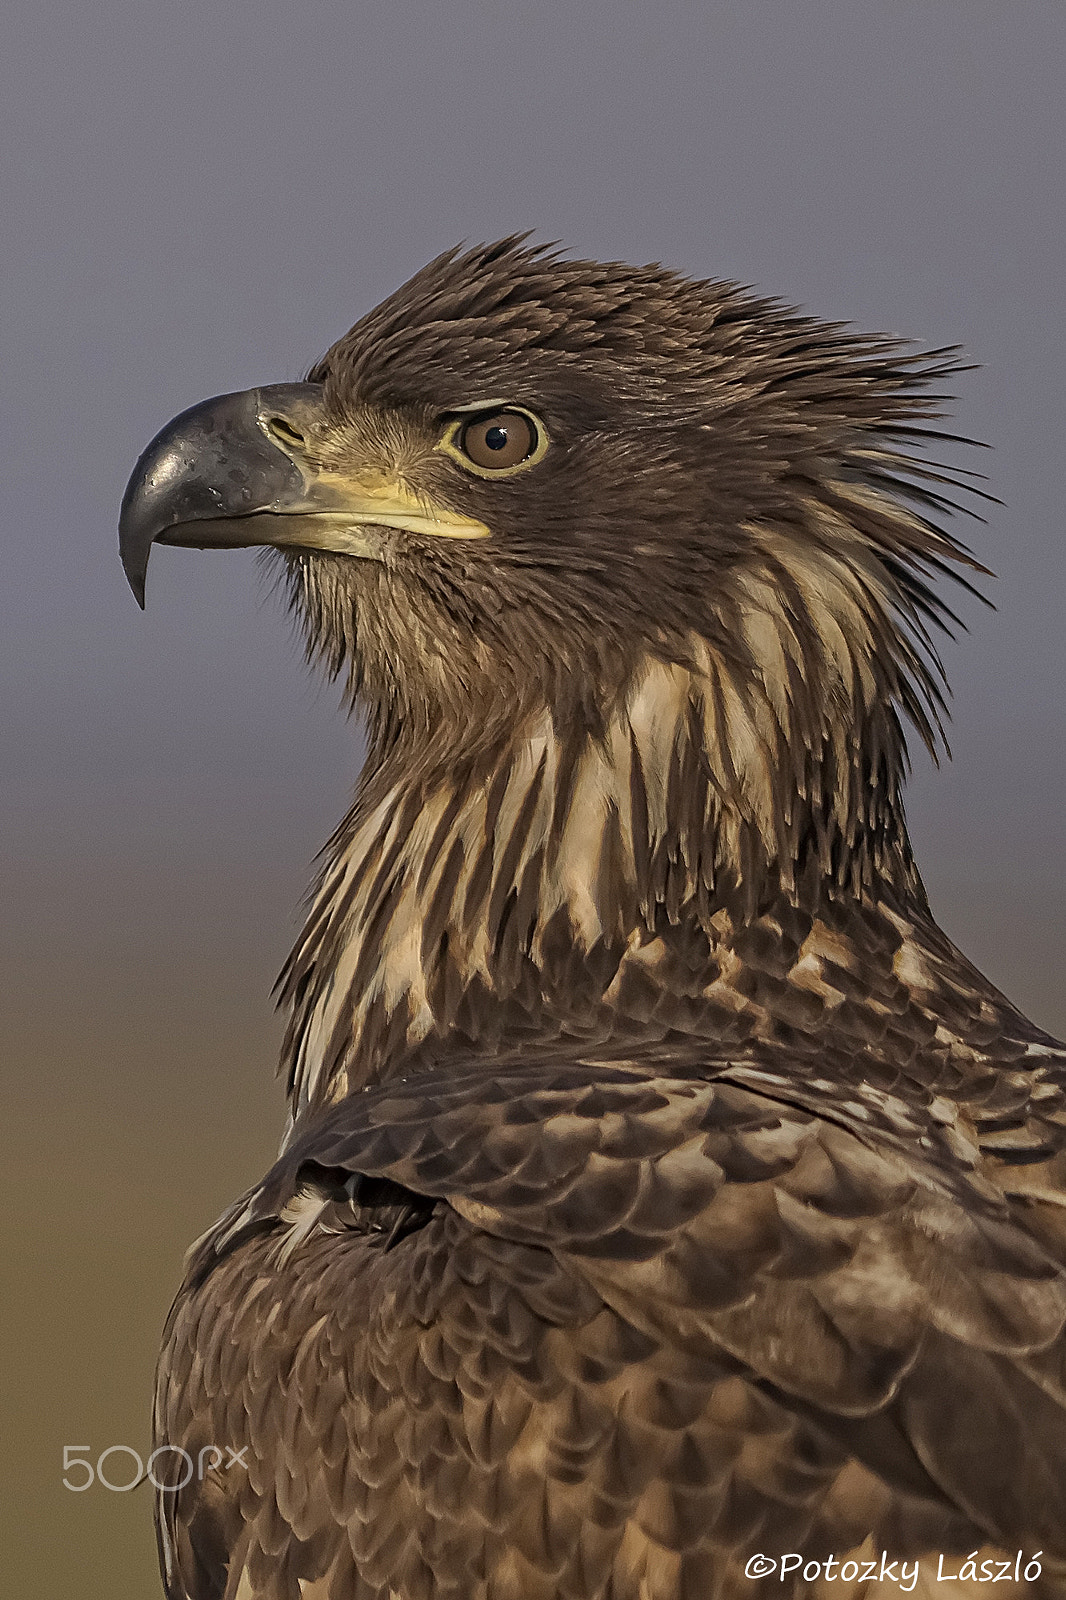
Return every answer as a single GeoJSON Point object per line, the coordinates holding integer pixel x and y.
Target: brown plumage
{"type": "Point", "coordinates": [662, 1186]}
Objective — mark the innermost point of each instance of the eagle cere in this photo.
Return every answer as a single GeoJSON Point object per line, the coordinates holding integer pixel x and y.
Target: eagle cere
{"type": "Point", "coordinates": [662, 1187]}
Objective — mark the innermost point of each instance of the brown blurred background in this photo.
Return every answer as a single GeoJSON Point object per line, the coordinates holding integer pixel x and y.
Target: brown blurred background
{"type": "Point", "coordinates": [201, 197]}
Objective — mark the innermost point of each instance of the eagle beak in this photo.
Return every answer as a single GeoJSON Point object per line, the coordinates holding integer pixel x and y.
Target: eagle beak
{"type": "Point", "coordinates": [234, 471]}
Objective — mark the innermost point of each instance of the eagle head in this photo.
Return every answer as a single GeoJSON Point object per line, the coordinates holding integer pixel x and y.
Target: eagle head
{"type": "Point", "coordinates": [522, 476]}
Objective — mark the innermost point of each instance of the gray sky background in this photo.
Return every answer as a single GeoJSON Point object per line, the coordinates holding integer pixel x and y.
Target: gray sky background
{"type": "Point", "coordinates": [199, 197]}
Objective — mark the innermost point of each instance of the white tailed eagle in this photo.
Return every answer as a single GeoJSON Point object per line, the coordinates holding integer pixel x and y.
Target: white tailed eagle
{"type": "Point", "coordinates": [662, 1188]}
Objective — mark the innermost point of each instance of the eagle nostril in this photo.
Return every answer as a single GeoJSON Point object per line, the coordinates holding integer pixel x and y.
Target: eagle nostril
{"type": "Point", "coordinates": [286, 432]}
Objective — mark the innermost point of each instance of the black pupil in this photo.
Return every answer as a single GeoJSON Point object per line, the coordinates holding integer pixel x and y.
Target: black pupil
{"type": "Point", "coordinates": [496, 437]}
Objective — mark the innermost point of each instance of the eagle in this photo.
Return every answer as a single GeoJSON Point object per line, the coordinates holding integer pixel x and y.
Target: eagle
{"type": "Point", "coordinates": [667, 1209]}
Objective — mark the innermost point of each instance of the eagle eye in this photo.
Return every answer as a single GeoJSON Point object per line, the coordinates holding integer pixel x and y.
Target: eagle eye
{"type": "Point", "coordinates": [496, 443]}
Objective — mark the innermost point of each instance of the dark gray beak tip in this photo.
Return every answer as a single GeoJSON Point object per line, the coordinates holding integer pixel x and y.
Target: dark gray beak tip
{"type": "Point", "coordinates": [134, 542]}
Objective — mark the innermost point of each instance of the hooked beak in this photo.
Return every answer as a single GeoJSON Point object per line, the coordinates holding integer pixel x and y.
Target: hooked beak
{"type": "Point", "coordinates": [234, 471]}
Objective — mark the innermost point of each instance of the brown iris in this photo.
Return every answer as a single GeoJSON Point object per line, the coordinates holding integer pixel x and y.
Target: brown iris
{"type": "Point", "coordinates": [498, 440]}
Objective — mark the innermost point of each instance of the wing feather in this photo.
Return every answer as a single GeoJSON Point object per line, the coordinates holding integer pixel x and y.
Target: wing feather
{"type": "Point", "coordinates": [637, 1324]}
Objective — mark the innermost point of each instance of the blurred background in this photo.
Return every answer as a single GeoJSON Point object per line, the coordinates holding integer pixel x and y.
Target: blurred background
{"type": "Point", "coordinates": [201, 197]}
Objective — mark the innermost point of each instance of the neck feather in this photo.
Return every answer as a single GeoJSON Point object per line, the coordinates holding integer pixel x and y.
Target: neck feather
{"type": "Point", "coordinates": [550, 885]}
